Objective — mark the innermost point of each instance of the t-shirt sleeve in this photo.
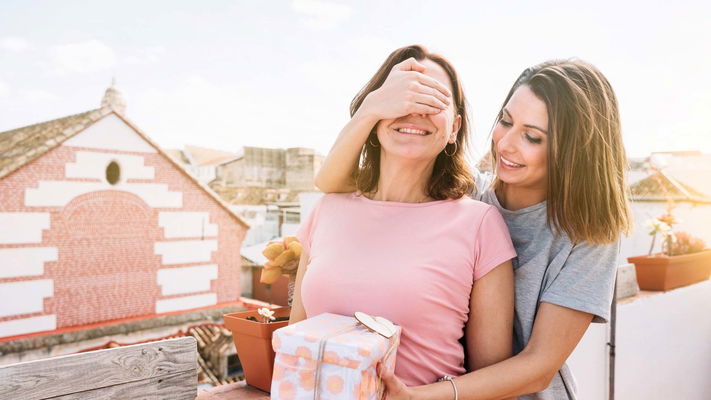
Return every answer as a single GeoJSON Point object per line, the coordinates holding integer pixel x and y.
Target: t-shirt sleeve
{"type": "Point", "coordinates": [493, 244]}
{"type": "Point", "coordinates": [587, 280]}
{"type": "Point", "coordinates": [306, 228]}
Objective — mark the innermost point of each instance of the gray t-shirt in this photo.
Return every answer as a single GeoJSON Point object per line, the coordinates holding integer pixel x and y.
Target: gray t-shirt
{"type": "Point", "coordinates": [551, 268]}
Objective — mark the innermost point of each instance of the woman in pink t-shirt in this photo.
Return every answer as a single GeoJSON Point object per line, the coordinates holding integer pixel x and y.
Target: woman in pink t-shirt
{"type": "Point", "coordinates": [410, 245]}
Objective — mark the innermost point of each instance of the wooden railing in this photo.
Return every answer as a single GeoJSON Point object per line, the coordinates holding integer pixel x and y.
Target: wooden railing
{"type": "Point", "coordinates": [166, 369]}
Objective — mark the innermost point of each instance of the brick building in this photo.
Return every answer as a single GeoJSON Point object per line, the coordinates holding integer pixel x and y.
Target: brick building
{"type": "Point", "coordinates": [99, 225]}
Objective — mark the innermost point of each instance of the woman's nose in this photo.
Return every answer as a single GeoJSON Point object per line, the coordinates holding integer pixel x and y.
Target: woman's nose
{"type": "Point", "coordinates": [506, 142]}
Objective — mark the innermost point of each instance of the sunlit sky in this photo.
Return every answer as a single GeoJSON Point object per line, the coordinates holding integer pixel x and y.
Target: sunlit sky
{"type": "Point", "coordinates": [225, 74]}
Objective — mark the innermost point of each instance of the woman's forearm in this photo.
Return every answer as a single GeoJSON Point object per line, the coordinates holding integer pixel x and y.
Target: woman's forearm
{"type": "Point", "coordinates": [556, 332]}
{"type": "Point", "coordinates": [518, 375]}
{"type": "Point", "coordinates": [336, 173]}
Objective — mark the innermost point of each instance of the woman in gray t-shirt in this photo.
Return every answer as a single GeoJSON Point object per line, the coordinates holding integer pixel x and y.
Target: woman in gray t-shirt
{"type": "Point", "coordinates": [559, 160]}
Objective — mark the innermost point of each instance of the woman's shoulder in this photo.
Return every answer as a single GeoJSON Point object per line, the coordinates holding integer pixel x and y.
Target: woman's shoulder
{"type": "Point", "coordinates": [474, 208]}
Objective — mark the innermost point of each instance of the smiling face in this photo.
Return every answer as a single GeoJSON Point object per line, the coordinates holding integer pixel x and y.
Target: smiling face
{"type": "Point", "coordinates": [521, 141]}
{"type": "Point", "coordinates": [418, 136]}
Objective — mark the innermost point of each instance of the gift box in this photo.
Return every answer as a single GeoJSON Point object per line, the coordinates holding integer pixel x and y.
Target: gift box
{"type": "Point", "coordinates": [330, 357]}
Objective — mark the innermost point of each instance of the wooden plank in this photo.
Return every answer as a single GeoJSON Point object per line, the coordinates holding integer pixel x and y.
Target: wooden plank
{"type": "Point", "coordinates": [233, 391]}
{"type": "Point", "coordinates": [180, 386]}
{"type": "Point", "coordinates": [82, 372]}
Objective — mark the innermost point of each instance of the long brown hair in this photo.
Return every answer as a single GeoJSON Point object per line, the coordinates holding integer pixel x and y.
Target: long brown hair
{"type": "Point", "coordinates": [451, 177]}
{"type": "Point", "coordinates": [586, 194]}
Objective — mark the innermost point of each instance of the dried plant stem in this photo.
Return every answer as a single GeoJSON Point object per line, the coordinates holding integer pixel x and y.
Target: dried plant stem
{"type": "Point", "coordinates": [651, 248]}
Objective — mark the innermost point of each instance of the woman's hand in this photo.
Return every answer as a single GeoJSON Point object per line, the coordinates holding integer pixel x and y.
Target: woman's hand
{"type": "Point", "coordinates": [406, 90]}
{"type": "Point", "coordinates": [394, 388]}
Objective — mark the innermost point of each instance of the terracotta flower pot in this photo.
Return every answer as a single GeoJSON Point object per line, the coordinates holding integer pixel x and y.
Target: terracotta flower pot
{"type": "Point", "coordinates": [660, 272]}
{"type": "Point", "coordinates": [253, 341]}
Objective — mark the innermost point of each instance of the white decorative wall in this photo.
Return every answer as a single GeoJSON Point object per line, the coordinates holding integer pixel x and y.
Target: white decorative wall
{"type": "Point", "coordinates": [187, 224]}
{"type": "Point", "coordinates": [110, 133]}
{"type": "Point", "coordinates": [25, 297]}
{"type": "Point", "coordinates": [186, 279]}
{"type": "Point", "coordinates": [185, 251]}
{"type": "Point", "coordinates": [22, 227]}
{"type": "Point", "coordinates": [28, 325]}
{"type": "Point", "coordinates": [186, 303]}
{"type": "Point", "coordinates": [93, 165]}
{"type": "Point", "coordinates": [60, 193]}
{"type": "Point", "coordinates": [25, 261]}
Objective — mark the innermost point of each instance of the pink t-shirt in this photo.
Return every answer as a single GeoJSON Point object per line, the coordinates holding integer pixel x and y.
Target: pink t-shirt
{"type": "Point", "coordinates": [412, 263]}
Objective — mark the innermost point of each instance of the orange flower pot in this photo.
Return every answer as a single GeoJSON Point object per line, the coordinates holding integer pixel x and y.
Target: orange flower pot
{"type": "Point", "coordinates": [661, 272]}
{"type": "Point", "coordinates": [253, 341]}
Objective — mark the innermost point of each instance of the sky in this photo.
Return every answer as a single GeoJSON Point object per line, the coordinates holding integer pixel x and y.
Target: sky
{"type": "Point", "coordinates": [226, 74]}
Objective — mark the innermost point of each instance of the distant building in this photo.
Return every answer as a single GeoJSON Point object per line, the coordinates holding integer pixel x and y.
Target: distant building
{"type": "Point", "coordinates": [102, 231]}
{"type": "Point", "coordinates": [256, 167]}
{"type": "Point", "coordinates": [301, 167]}
{"type": "Point", "coordinates": [293, 169]}
{"type": "Point", "coordinates": [203, 162]}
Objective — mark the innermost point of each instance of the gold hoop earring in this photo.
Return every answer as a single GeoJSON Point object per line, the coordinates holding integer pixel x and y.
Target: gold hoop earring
{"type": "Point", "coordinates": [370, 141]}
{"type": "Point", "coordinates": [453, 153]}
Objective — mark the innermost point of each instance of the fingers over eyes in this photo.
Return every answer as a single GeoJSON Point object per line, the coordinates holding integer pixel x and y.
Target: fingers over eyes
{"type": "Point", "coordinates": [435, 84]}
{"type": "Point", "coordinates": [410, 65]}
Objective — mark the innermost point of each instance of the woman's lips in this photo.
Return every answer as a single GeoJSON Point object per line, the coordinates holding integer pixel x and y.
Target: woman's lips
{"type": "Point", "coordinates": [412, 131]}
{"type": "Point", "coordinates": [509, 164]}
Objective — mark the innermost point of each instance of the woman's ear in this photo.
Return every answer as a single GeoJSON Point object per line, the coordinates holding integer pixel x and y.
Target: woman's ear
{"type": "Point", "coordinates": [455, 128]}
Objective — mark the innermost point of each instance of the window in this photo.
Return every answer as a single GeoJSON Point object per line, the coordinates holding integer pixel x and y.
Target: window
{"type": "Point", "coordinates": [113, 173]}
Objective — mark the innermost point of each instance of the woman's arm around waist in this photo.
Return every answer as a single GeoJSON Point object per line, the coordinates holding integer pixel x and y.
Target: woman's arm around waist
{"type": "Point", "coordinates": [556, 332]}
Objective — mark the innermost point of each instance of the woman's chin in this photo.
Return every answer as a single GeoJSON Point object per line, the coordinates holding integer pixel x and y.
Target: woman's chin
{"type": "Point", "coordinates": [410, 152]}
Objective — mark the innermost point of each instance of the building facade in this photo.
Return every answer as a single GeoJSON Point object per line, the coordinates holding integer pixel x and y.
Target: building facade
{"type": "Point", "coordinates": [100, 225]}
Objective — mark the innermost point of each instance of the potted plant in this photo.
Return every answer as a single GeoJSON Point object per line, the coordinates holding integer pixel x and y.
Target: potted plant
{"type": "Point", "coordinates": [252, 330]}
{"type": "Point", "coordinates": [684, 258]}
{"type": "Point", "coordinates": [252, 334]}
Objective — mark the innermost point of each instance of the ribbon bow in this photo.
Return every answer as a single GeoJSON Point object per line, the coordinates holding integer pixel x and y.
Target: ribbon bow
{"type": "Point", "coordinates": [381, 326]}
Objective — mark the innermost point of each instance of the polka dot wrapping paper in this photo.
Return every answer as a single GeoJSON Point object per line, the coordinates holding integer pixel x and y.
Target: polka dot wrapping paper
{"type": "Point", "coordinates": [330, 357]}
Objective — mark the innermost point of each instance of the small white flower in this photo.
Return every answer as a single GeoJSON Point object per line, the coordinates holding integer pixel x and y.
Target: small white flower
{"type": "Point", "coordinates": [266, 313]}
{"type": "Point", "coordinates": [657, 226]}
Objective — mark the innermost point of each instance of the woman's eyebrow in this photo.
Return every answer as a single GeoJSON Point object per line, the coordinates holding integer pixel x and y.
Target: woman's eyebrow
{"type": "Point", "coordinates": [526, 125]}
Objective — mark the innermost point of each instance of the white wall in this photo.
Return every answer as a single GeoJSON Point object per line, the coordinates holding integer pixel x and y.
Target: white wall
{"type": "Point", "coordinates": [663, 348]}
{"type": "Point", "coordinates": [110, 133]}
{"type": "Point", "coordinates": [589, 363]}
{"type": "Point", "coordinates": [60, 193]}
{"type": "Point", "coordinates": [22, 227]}
{"type": "Point", "coordinates": [187, 224]}
{"type": "Point", "coordinates": [24, 297]}
{"type": "Point", "coordinates": [28, 325]}
{"type": "Point", "coordinates": [182, 280]}
{"type": "Point", "coordinates": [92, 165]}
{"type": "Point", "coordinates": [185, 251]}
{"type": "Point", "coordinates": [186, 303]}
{"type": "Point", "coordinates": [25, 261]}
